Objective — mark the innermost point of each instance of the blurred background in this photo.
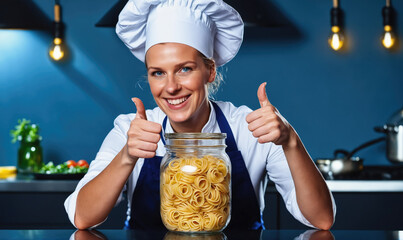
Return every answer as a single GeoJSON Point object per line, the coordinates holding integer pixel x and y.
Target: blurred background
{"type": "Point", "coordinates": [333, 99]}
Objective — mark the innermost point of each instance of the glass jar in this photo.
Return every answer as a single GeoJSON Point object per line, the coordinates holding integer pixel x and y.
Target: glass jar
{"type": "Point", "coordinates": [195, 183]}
{"type": "Point", "coordinates": [29, 157]}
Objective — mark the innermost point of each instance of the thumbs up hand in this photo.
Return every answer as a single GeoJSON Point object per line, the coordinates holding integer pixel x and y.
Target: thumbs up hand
{"type": "Point", "coordinates": [143, 135]}
{"type": "Point", "coordinates": [141, 111]}
{"type": "Point", "coordinates": [266, 123]}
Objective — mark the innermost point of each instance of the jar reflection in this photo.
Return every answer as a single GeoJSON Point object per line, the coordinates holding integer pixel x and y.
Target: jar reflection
{"type": "Point", "coordinates": [194, 236]}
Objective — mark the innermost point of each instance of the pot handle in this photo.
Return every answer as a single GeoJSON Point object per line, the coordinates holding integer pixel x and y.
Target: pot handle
{"type": "Point", "coordinates": [367, 144]}
{"type": "Point", "coordinates": [340, 151]}
{"type": "Point", "coordinates": [381, 129]}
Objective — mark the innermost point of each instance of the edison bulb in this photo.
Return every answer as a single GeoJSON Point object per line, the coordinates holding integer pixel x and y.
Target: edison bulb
{"type": "Point", "coordinates": [56, 51]}
{"type": "Point", "coordinates": [336, 38]}
{"type": "Point", "coordinates": [388, 39]}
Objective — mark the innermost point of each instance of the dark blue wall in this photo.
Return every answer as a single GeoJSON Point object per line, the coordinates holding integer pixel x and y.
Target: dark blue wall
{"type": "Point", "coordinates": [333, 99]}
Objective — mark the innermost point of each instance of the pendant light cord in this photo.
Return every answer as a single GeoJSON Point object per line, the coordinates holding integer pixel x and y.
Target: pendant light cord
{"type": "Point", "coordinates": [57, 13]}
{"type": "Point", "coordinates": [336, 3]}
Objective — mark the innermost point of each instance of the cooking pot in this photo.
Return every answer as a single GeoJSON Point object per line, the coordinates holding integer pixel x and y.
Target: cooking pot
{"type": "Point", "coordinates": [394, 137]}
{"type": "Point", "coordinates": [336, 166]}
{"type": "Point", "coordinates": [346, 164]}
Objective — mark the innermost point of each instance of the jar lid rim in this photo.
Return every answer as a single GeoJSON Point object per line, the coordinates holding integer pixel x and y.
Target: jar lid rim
{"type": "Point", "coordinates": [195, 135]}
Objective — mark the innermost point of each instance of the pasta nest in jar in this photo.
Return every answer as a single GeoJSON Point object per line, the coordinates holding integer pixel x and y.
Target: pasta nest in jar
{"type": "Point", "coordinates": [195, 194]}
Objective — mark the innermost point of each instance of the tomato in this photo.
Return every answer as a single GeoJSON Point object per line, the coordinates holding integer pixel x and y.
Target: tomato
{"type": "Point", "coordinates": [71, 163]}
{"type": "Point", "coordinates": [83, 163]}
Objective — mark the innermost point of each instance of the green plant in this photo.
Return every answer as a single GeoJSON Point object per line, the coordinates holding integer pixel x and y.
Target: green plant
{"type": "Point", "coordinates": [25, 131]}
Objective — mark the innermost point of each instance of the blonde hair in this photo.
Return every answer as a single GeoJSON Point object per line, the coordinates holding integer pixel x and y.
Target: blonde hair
{"type": "Point", "coordinates": [213, 86]}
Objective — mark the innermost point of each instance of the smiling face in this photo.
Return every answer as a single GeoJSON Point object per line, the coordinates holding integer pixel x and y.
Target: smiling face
{"type": "Point", "coordinates": [178, 78]}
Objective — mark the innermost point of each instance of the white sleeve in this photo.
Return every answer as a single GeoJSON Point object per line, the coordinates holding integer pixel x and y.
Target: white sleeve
{"type": "Point", "coordinates": [111, 146]}
{"type": "Point", "coordinates": [279, 172]}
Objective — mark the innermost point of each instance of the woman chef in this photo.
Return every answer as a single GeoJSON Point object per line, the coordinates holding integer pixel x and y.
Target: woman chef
{"type": "Point", "coordinates": [181, 42]}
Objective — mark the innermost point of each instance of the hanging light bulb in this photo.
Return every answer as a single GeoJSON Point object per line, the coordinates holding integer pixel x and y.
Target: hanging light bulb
{"type": "Point", "coordinates": [57, 49]}
{"type": "Point", "coordinates": [388, 38]}
{"type": "Point", "coordinates": [336, 38]}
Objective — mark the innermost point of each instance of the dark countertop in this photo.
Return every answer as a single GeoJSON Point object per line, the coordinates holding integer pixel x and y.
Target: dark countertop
{"type": "Point", "coordinates": [155, 235]}
{"type": "Point", "coordinates": [26, 185]}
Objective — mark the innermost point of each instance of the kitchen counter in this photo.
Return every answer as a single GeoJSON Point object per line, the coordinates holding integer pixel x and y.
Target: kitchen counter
{"type": "Point", "coordinates": [32, 185]}
{"type": "Point", "coordinates": [360, 205]}
{"type": "Point", "coordinates": [252, 235]}
{"type": "Point", "coordinates": [17, 185]}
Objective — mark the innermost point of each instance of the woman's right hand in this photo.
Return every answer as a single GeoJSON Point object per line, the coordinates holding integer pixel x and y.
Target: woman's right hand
{"type": "Point", "coordinates": [143, 135]}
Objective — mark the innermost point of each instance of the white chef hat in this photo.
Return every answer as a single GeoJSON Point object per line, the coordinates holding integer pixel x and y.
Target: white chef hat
{"type": "Point", "coordinates": [211, 26]}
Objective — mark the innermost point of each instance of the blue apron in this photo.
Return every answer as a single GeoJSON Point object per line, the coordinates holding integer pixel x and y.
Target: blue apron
{"type": "Point", "coordinates": [245, 212]}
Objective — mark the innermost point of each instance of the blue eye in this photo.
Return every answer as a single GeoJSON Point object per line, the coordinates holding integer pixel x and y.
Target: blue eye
{"type": "Point", "coordinates": [157, 73]}
{"type": "Point", "coordinates": [186, 69]}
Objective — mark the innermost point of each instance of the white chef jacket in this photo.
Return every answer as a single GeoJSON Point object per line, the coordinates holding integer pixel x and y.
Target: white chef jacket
{"type": "Point", "coordinates": [261, 160]}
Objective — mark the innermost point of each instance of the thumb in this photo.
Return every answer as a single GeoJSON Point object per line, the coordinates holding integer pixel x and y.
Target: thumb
{"type": "Point", "coordinates": [141, 112]}
{"type": "Point", "coordinates": [262, 96]}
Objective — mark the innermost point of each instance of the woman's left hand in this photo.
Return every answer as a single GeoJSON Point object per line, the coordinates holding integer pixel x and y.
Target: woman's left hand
{"type": "Point", "coordinates": [312, 194]}
{"type": "Point", "coordinates": [266, 123]}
